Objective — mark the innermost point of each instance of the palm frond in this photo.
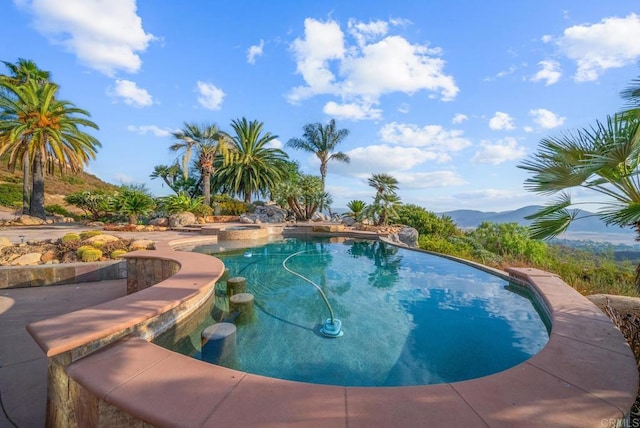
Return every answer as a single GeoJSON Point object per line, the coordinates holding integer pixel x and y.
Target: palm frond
{"type": "Point", "coordinates": [552, 225]}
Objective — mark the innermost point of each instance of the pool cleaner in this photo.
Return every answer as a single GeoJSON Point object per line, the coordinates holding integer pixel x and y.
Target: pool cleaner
{"type": "Point", "coordinates": [332, 327]}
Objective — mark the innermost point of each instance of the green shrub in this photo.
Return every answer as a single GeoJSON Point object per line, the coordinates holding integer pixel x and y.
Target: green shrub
{"type": "Point", "coordinates": [117, 253]}
{"type": "Point", "coordinates": [60, 210]}
{"type": "Point", "coordinates": [11, 195]}
{"type": "Point", "coordinates": [225, 205]}
{"type": "Point", "coordinates": [89, 233]}
{"type": "Point", "coordinates": [425, 222]}
{"type": "Point", "coordinates": [96, 203]}
{"type": "Point", "coordinates": [180, 203]}
{"type": "Point", "coordinates": [91, 255]}
{"type": "Point", "coordinates": [84, 248]}
{"type": "Point", "coordinates": [69, 237]}
{"type": "Point", "coordinates": [443, 245]}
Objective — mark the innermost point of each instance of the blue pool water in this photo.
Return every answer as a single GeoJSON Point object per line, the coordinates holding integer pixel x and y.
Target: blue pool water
{"type": "Point", "coordinates": [409, 318]}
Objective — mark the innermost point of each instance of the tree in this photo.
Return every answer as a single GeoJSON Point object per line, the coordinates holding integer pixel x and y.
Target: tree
{"type": "Point", "coordinates": [603, 160]}
{"type": "Point", "coordinates": [37, 126]}
{"type": "Point", "coordinates": [322, 140]}
{"type": "Point", "coordinates": [385, 201]}
{"type": "Point", "coordinates": [303, 196]}
{"type": "Point", "coordinates": [133, 202]}
{"type": "Point", "coordinates": [250, 166]}
{"type": "Point", "coordinates": [22, 72]}
{"type": "Point", "coordinates": [358, 208]}
{"type": "Point", "coordinates": [209, 141]}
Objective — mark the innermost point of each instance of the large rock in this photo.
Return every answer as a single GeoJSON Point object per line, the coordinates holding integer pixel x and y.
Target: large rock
{"type": "Point", "coordinates": [160, 221]}
{"type": "Point", "coordinates": [182, 219]}
{"type": "Point", "coordinates": [141, 244]}
{"type": "Point", "coordinates": [101, 238]}
{"type": "Point", "coordinates": [348, 221]}
{"type": "Point", "coordinates": [318, 216]}
{"type": "Point", "coordinates": [4, 242]}
{"type": "Point", "coordinates": [27, 259]}
{"type": "Point", "coordinates": [407, 236]}
{"type": "Point", "coordinates": [28, 220]}
{"type": "Point", "coordinates": [265, 214]}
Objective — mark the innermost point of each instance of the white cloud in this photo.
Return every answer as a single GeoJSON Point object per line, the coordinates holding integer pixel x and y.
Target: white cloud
{"type": "Point", "coordinates": [429, 180]}
{"type": "Point", "coordinates": [364, 33]}
{"type": "Point", "coordinates": [611, 43]}
{"type": "Point", "coordinates": [329, 65]}
{"type": "Point", "coordinates": [382, 158]}
{"type": "Point", "coordinates": [105, 35]}
{"type": "Point", "coordinates": [404, 108]}
{"type": "Point", "coordinates": [353, 111]}
{"type": "Point", "coordinates": [500, 152]}
{"type": "Point", "coordinates": [275, 144]}
{"type": "Point", "coordinates": [323, 41]}
{"type": "Point", "coordinates": [459, 118]}
{"type": "Point", "coordinates": [430, 136]}
{"type": "Point", "coordinates": [209, 96]}
{"type": "Point", "coordinates": [150, 129]}
{"type": "Point", "coordinates": [546, 119]}
{"type": "Point", "coordinates": [129, 92]}
{"type": "Point", "coordinates": [501, 122]}
{"type": "Point", "coordinates": [255, 51]}
{"type": "Point", "coordinates": [549, 72]}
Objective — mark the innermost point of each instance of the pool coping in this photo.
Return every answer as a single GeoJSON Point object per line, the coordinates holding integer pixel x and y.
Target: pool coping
{"type": "Point", "coordinates": [586, 375]}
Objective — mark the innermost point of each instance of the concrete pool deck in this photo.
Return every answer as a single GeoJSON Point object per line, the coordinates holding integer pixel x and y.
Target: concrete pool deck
{"type": "Point", "coordinates": [585, 376]}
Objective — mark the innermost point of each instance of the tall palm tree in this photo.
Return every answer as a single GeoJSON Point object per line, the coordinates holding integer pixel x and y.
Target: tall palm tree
{"type": "Point", "coordinates": [250, 166]}
{"type": "Point", "coordinates": [322, 141]}
{"type": "Point", "coordinates": [46, 130]}
{"type": "Point", "coordinates": [22, 72]}
{"type": "Point", "coordinates": [209, 141]}
{"type": "Point", "coordinates": [386, 200]}
{"type": "Point", "coordinates": [603, 159]}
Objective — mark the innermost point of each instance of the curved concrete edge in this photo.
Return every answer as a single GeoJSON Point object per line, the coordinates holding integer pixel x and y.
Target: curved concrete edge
{"type": "Point", "coordinates": [94, 327]}
{"type": "Point", "coordinates": [585, 376]}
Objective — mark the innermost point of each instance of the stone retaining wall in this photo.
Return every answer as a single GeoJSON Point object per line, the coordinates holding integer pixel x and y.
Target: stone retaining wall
{"type": "Point", "coordinates": [58, 274]}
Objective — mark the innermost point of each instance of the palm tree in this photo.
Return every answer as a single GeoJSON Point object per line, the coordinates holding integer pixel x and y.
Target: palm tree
{"type": "Point", "coordinates": [386, 200]}
{"type": "Point", "coordinates": [209, 141]}
{"type": "Point", "coordinates": [357, 208]}
{"type": "Point", "coordinates": [250, 166]}
{"type": "Point", "coordinates": [603, 159]}
{"type": "Point", "coordinates": [134, 201]}
{"type": "Point", "coordinates": [322, 140]}
{"type": "Point", "coordinates": [21, 72]}
{"type": "Point", "coordinates": [45, 130]}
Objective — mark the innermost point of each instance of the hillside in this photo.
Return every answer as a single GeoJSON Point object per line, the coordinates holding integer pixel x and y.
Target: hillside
{"type": "Point", "coordinates": [585, 222]}
{"type": "Point", "coordinates": [57, 186]}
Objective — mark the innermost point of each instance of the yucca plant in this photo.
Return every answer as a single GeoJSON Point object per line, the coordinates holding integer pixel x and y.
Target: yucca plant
{"type": "Point", "coordinates": [357, 208]}
{"type": "Point", "coordinates": [180, 203]}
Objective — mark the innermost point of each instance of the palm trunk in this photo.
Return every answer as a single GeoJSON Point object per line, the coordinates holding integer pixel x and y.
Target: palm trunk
{"type": "Point", "coordinates": [637, 279]}
{"type": "Point", "coordinates": [206, 189]}
{"type": "Point", "coordinates": [25, 183]}
{"type": "Point", "coordinates": [36, 206]}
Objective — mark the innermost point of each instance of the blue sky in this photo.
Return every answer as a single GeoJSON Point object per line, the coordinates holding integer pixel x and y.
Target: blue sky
{"type": "Point", "coordinates": [448, 97]}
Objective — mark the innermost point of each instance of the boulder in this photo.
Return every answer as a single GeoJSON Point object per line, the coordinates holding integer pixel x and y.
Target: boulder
{"type": "Point", "coordinates": [182, 219]}
{"type": "Point", "coordinates": [160, 221]}
{"type": "Point", "coordinates": [28, 220]}
{"type": "Point", "coordinates": [141, 244]}
{"type": "Point", "coordinates": [348, 221]}
{"type": "Point", "coordinates": [27, 259]}
{"type": "Point", "coordinates": [265, 214]}
{"type": "Point", "coordinates": [101, 238]}
{"type": "Point", "coordinates": [4, 242]}
{"type": "Point", "coordinates": [48, 256]}
{"type": "Point", "coordinates": [318, 216]}
{"type": "Point", "coordinates": [407, 236]}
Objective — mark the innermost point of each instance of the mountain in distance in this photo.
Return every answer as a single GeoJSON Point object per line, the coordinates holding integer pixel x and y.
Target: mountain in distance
{"type": "Point", "coordinates": [585, 222]}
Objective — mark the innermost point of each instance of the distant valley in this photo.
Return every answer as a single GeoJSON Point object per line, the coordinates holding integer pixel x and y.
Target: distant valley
{"type": "Point", "coordinates": [586, 227]}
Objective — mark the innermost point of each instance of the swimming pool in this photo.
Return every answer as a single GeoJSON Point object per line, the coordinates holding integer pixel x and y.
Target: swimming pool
{"type": "Point", "coordinates": [409, 318]}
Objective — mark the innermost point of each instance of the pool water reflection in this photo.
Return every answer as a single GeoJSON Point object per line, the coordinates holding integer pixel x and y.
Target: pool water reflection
{"type": "Point", "coordinates": [409, 318]}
